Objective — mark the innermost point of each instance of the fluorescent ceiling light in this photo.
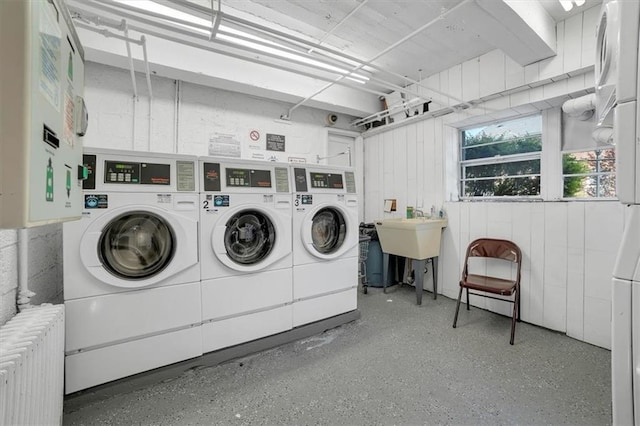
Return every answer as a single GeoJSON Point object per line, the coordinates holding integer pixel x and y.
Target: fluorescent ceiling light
{"type": "Point", "coordinates": [241, 39]}
{"type": "Point", "coordinates": [567, 5]}
{"type": "Point", "coordinates": [580, 2]}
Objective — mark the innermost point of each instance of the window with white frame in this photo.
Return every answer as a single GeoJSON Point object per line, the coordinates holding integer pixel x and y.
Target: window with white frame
{"type": "Point", "coordinates": [589, 174]}
{"type": "Point", "coordinates": [588, 166]}
{"type": "Point", "coordinates": [502, 159]}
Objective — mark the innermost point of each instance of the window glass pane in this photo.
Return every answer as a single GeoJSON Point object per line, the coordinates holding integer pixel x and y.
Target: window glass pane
{"type": "Point", "coordinates": [490, 148]}
{"type": "Point", "coordinates": [512, 152]}
{"type": "Point", "coordinates": [513, 168]}
{"type": "Point", "coordinates": [511, 186]}
{"type": "Point", "coordinates": [505, 138]}
{"type": "Point", "coordinates": [589, 174]}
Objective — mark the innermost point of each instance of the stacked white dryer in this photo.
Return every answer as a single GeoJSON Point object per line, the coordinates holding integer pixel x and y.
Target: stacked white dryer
{"type": "Point", "coordinates": [245, 249]}
{"type": "Point", "coordinates": [131, 270]}
{"type": "Point", "coordinates": [325, 242]}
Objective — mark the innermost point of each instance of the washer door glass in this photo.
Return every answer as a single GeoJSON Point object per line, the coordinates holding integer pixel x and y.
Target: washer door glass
{"type": "Point", "coordinates": [136, 245]}
{"type": "Point", "coordinates": [328, 230]}
{"type": "Point", "coordinates": [249, 237]}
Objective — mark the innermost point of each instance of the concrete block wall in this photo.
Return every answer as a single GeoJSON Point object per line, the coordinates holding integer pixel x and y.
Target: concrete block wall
{"type": "Point", "coordinates": [569, 247]}
{"type": "Point", "coordinates": [44, 267]}
{"type": "Point", "coordinates": [8, 273]}
{"type": "Point", "coordinates": [186, 117]}
{"type": "Point", "coordinates": [45, 264]}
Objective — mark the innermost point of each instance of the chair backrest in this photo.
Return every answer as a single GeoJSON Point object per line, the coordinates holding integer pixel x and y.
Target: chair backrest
{"type": "Point", "coordinates": [496, 249]}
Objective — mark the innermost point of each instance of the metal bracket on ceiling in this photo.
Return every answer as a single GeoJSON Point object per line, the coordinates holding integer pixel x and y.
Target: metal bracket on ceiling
{"type": "Point", "coordinates": [216, 18]}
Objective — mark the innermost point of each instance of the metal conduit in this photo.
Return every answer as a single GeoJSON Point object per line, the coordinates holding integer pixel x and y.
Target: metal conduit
{"type": "Point", "coordinates": [131, 69]}
{"type": "Point", "coordinates": [265, 30]}
{"type": "Point", "coordinates": [289, 39]}
{"type": "Point", "coordinates": [104, 6]}
{"type": "Point", "coordinates": [215, 19]}
{"type": "Point", "coordinates": [383, 52]}
{"type": "Point", "coordinates": [339, 24]}
{"type": "Point", "coordinates": [231, 54]}
{"type": "Point", "coordinates": [106, 33]}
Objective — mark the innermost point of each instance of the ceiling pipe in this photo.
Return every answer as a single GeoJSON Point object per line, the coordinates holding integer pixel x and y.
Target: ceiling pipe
{"type": "Point", "coordinates": [112, 7]}
{"type": "Point", "coordinates": [383, 52]}
{"type": "Point", "coordinates": [348, 60]}
{"type": "Point", "coordinates": [24, 294]}
{"type": "Point", "coordinates": [131, 69]}
{"type": "Point", "coordinates": [108, 6]}
{"type": "Point", "coordinates": [215, 18]}
{"type": "Point", "coordinates": [148, 75]}
{"type": "Point", "coordinates": [318, 48]}
{"type": "Point", "coordinates": [104, 32]}
{"type": "Point", "coordinates": [116, 8]}
{"type": "Point", "coordinates": [339, 24]}
{"type": "Point", "coordinates": [210, 48]}
{"type": "Point", "coordinates": [104, 5]}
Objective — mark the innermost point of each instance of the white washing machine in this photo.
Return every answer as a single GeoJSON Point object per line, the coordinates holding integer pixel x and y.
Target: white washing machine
{"type": "Point", "coordinates": [617, 91]}
{"type": "Point", "coordinates": [325, 242]}
{"type": "Point", "coordinates": [245, 248]}
{"type": "Point", "coordinates": [131, 269]}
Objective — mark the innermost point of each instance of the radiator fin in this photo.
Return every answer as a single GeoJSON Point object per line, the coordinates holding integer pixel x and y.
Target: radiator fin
{"type": "Point", "coordinates": [32, 367]}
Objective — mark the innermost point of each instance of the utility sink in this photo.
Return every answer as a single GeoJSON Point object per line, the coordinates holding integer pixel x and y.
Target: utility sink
{"type": "Point", "coordinates": [416, 238]}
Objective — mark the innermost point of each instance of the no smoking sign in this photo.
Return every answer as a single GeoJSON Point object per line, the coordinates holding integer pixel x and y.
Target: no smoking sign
{"type": "Point", "coordinates": [254, 135]}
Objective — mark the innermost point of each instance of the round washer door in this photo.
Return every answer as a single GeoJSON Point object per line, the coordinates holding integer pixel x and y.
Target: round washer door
{"type": "Point", "coordinates": [328, 232]}
{"type": "Point", "coordinates": [137, 245]}
{"type": "Point", "coordinates": [251, 239]}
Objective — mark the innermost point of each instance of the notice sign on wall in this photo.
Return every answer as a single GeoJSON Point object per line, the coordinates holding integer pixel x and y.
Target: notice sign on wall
{"type": "Point", "coordinates": [275, 142]}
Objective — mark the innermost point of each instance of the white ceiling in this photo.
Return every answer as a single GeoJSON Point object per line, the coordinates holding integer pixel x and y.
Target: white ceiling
{"type": "Point", "coordinates": [364, 28]}
{"type": "Point", "coordinates": [396, 42]}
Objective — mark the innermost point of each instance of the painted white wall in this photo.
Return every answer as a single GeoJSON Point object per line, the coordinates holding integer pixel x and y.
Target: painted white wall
{"type": "Point", "coordinates": [569, 248]}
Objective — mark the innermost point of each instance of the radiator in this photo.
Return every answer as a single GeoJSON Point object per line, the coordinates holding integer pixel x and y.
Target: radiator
{"type": "Point", "coordinates": [32, 367]}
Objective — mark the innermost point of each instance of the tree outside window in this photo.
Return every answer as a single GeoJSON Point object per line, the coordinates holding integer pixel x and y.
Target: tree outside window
{"type": "Point", "coordinates": [502, 160]}
{"type": "Point", "coordinates": [589, 174]}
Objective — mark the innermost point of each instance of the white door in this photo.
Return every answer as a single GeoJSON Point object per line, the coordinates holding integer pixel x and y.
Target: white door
{"type": "Point", "coordinates": [341, 150]}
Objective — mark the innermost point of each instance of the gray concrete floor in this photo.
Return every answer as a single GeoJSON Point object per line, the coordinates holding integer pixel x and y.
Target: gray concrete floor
{"type": "Point", "coordinates": [400, 364]}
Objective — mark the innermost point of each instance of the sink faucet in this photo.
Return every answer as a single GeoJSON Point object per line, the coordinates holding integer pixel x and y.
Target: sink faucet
{"type": "Point", "coordinates": [418, 213]}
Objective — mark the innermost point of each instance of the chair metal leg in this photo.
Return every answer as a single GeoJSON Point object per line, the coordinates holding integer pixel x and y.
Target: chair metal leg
{"type": "Point", "coordinates": [468, 300]}
{"type": "Point", "coordinates": [518, 296]}
{"type": "Point", "coordinates": [455, 319]}
{"type": "Point", "coordinates": [516, 314]}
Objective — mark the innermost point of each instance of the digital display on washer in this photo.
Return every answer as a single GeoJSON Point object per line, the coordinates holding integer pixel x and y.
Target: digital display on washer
{"type": "Point", "coordinates": [326, 180]}
{"type": "Point", "coordinates": [137, 173]}
{"type": "Point", "coordinates": [120, 172]}
{"type": "Point", "coordinates": [252, 178]}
